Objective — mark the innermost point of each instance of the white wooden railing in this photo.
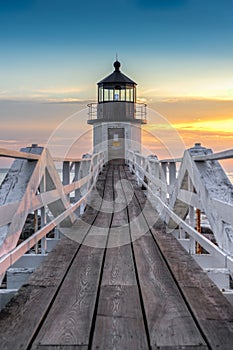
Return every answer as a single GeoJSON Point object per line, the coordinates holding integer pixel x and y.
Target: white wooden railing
{"type": "Point", "coordinates": [200, 185]}
{"type": "Point", "coordinates": [177, 188]}
{"type": "Point", "coordinates": [33, 185]}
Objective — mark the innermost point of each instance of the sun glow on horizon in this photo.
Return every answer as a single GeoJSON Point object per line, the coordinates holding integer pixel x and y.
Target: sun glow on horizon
{"type": "Point", "coordinates": [217, 126]}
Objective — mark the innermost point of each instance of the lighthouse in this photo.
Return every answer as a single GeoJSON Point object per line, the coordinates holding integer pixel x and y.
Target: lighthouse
{"type": "Point", "coordinates": [117, 117]}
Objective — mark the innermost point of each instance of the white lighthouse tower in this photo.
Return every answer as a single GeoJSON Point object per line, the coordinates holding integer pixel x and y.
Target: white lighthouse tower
{"type": "Point", "coordinates": [117, 118]}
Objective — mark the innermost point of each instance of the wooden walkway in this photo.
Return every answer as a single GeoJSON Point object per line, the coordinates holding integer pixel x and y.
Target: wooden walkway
{"type": "Point", "coordinates": [118, 284]}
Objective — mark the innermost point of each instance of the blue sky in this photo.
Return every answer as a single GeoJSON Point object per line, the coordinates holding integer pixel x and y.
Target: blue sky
{"type": "Point", "coordinates": [46, 43]}
{"type": "Point", "coordinates": [54, 51]}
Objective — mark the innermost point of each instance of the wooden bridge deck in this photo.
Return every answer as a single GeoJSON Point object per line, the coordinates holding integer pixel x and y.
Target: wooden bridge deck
{"type": "Point", "coordinates": [118, 283]}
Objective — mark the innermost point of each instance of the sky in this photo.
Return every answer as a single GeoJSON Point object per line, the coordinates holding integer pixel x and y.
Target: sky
{"type": "Point", "coordinates": [53, 52]}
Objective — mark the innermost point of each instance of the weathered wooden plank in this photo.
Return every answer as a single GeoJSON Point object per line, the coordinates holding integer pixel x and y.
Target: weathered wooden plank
{"type": "Point", "coordinates": [61, 347]}
{"type": "Point", "coordinates": [169, 320]}
{"type": "Point", "coordinates": [22, 316]}
{"type": "Point", "coordinates": [74, 305]}
{"type": "Point", "coordinates": [30, 305]}
{"type": "Point", "coordinates": [54, 266]}
{"type": "Point", "coordinates": [212, 311]}
{"type": "Point", "coordinates": [119, 268]}
{"type": "Point", "coordinates": [186, 272]}
{"type": "Point", "coordinates": [119, 301]}
{"type": "Point", "coordinates": [119, 321]}
{"type": "Point", "coordinates": [168, 317]}
{"type": "Point", "coordinates": [119, 333]}
{"type": "Point", "coordinates": [181, 347]}
{"type": "Point", "coordinates": [119, 265]}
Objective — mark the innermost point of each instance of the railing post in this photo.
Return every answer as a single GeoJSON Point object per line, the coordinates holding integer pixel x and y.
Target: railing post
{"type": "Point", "coordinates": [36, 228]}
{"type": "Point", "coordinates": [153, 169]}
{"type": "Point", "coordinates": [172, 173]}
{"type": "Point", "coordinates": [77, 193]}
{"type": "Point", "coordinates": [66, 174]}
{"type": "Point", "coordinates": [84, 171]}
{"type": "Point", "coordinates": [198, 224]}
{"type": "Point", "coordinates": [192, 246]}
{"type": "Point", "coordinates": [43, 217]}
{"type": "Point", "coordinates": [164, 168]}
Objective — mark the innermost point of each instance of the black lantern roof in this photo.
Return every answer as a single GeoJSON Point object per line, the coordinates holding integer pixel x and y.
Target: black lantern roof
{"type": "Point", "coordinates": [117, 77]}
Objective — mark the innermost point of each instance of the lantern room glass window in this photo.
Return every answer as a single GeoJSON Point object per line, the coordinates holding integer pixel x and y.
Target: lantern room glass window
{"type": "Point", "coordinates": [117, 93]}
{"type": "Point", "coordinates": [101, 96]}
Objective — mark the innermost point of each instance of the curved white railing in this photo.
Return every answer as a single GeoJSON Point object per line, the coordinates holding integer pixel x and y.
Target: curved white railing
{"type": "Point", "coordinates": [200, 186]}
{"type": "Point", "coordinates": [43, 191]}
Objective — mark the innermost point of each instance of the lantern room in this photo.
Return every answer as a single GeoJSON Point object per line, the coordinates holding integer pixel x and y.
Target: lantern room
{"type": "Point", "coordinates": [117, 87]}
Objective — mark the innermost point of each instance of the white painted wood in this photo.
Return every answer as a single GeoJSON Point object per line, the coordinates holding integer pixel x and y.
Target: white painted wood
{"type": "Point", "coordinates": [5, 296]}
{"type": "Point", "coordinates": [66, 174]}
{"type": "Point", "coordinates": [18, 155]}
{"type": "Point", "coordinates": [197, 195]}
{"type": "Point", "coordinates": [209, 190]}
{"type": "Point", "coordinates": [29, 261]}
{"type": "Point", "coordinates": [51, 243]}
{"type": "Point", "coordinates": [208, 261]}
{"type": "Point", "coordinates": [215, 156]}
{"type": "Point", "coordinates": [212, 184]}
{"type": "Point", "coordinates": [42, 188]}
{"type": "Point", "coordinates": [16, 277]}
{"type": "Point", "coordinates": [185, 242]}
{"type": "Point", "coordinates": [225, 210]}
{"type": "Point", "coordinates": [189, 198]}
{"type": "Point", "coordinates": [219, 276]}
{"type": "Point", "coordinates": [19, 185]}
{"type": "Point", "coordinates": [172, 172]}
{"type": "Point", "coordinates": [6, 212]}
{"type": "Point", "coordinates": [229, 295]}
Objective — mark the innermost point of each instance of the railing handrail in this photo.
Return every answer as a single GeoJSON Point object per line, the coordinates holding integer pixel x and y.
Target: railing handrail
{"type": "Point", "coordinates": [228, 154]}
{"type": "Point", "coordinates": [44, 198]}
{"type": "Point", "coordinates": [92, 113]}
{"type": "Point", "coordinates": [164, 188]}
{"type": "Point", "coordinates": [7, 153]}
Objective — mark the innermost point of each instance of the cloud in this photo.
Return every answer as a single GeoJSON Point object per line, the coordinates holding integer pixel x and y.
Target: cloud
{"type": "Point", "coordinates": [150, 91]}
{"type": "Point", "coordinates": [189, 99]}
{"type": "Point", "coordinates": [141, 100]}
{"type": "Point", "coordinates": [69, 100]}
{"type": "Point", "coordinates": [212, 126]}
{"type": "Point", "coordinates": [171, 100]}
{"type": "Point", "coordinates": [42, 94]}
{"type": "Point", "coordinates": [2, 142]}
{"type": "Point", "coordinates": [4, 92]}
{"type": "Point", "coordinates": [59, 90]}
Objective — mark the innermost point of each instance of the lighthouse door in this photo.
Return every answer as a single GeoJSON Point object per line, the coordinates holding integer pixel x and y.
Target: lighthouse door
{"type": "Point", "coordinates": [116, 145]}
